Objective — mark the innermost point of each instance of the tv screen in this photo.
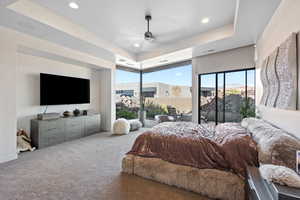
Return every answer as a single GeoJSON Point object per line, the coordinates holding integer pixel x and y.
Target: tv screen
{"type": "Point", "coordinates": [60, 90]}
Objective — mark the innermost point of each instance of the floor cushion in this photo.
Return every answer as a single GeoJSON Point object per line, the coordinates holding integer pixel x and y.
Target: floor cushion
{"type": "Point", "coordinates": [121, 127]}
{"type": "Point", "coordinates": [135, 124]}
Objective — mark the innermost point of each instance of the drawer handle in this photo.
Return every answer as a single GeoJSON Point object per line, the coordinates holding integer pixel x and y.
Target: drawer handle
{"type": "Point", "coordinates": [50, 129]}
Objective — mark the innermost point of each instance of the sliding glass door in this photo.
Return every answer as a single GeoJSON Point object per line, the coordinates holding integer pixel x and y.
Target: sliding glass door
{"type": "Point", "coordinates": [226, 96]}
{"type": "Point", "coordinates": [207, 99]}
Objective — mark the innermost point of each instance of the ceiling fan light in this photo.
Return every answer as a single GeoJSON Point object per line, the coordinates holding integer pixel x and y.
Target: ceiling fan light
{"type": "Point", "coordinates": [149, 36]}
{"type": "Point", "coordinates": [73, 5]}
{"type": "Point", "coordinates": [205, 20]}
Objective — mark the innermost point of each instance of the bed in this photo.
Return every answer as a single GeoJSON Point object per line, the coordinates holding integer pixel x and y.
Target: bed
{"type": "Point", "coordinates": [190, 156]}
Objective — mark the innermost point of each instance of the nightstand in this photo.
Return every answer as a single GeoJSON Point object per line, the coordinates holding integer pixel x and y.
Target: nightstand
{"type": "Point", "coordinates": [260, 189]}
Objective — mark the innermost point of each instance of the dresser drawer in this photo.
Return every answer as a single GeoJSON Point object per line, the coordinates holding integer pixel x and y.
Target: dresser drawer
{"type": "Point", "coordinates": [55, 139]}
{"type": "Point", "coordinates": [92, 129]}
{"type": "Point", "coordinates": [51, 125]}
{"type": "Point", "coordinates": [73, 123]}
{"type": "Point", "coordinates": [74, 134]}
{"type": "Point", "coordinates": [92, 125]}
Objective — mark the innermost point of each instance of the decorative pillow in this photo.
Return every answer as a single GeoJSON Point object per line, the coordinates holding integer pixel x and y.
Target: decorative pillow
{"type": "Point", "coordinates": [280, 174]}
{"type": "Point", "coordinates": [247, 121]}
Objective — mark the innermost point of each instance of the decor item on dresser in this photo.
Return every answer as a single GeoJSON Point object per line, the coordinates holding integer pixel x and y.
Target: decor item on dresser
{"type": "Point", "coordinates": [67, 114]}
{"type": "Point", "coordinates": [279, 76]}
{"type": "Point", "coordinates": [47, 116]}
{"type": "Point", "coordinates": [50, 132]}
{"type": "Point", "coordinates": [76, 112]}
{"type": "Point", "coordinates": [84, 112]}
{"type": "Point", "coordinates": [121, 127]}
{"type": "Point", "coordinates": [23, 142]}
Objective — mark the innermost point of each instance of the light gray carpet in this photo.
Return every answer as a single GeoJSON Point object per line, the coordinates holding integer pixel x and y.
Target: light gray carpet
{"type": "Point", "coordinates": [85, 169]}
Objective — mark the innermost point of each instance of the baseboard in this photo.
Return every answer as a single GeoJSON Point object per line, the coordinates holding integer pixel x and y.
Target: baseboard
{"type": "Point", "coordinates": [9, 157]}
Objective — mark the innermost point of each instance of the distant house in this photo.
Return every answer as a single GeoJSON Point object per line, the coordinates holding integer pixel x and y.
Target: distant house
{"type": "Point", "coordinates": [155, 89]}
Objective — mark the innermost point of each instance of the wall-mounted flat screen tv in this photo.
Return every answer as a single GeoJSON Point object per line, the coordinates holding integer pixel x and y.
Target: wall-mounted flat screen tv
{"type": "Point", "coordinates": [62, 90]}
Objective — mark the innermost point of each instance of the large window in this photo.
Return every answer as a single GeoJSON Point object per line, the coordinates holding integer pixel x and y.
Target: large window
{"type": "Point", "coordinates": [167, 95]}
{"type": "Point", "coordinates": [226, 96]}
{"type": "Point", "coordinates": [127, 94]}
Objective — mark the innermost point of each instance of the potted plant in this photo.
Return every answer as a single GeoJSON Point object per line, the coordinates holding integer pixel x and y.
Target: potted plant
{"type": "Point", "coordinates": [247, 109]}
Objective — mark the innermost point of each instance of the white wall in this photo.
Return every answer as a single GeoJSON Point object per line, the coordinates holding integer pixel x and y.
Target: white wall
{"type": "Point", "coordinates": [240, 58]}
{"type": "Point", "coordinates": [7, 99]}
{"type": "Point", "coordinates": [19, 85]}
{"type": "Point", "coordinates": [284, 22]}
{"type": "Point", "coordinates": [28, 87]}
{"type": "Point", "coordinates": [108, 105]}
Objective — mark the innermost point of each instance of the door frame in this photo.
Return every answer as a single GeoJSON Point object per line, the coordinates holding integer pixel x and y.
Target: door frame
{"type": "Point", "coordinates": [224, 86]}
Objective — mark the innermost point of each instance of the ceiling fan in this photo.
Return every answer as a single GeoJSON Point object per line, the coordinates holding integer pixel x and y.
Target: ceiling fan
{"type": "Point", "coordinates": [148, 35]}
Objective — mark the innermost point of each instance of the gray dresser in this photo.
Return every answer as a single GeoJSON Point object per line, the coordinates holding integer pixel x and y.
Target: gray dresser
{"type": "Point", "coordinates": [50, 132]}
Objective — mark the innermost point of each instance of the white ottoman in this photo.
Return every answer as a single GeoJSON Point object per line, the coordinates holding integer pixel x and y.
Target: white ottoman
{"type": "Point", "coordinates": [121, 127]}
{"type": "Point", "coordinates": [135, 124]}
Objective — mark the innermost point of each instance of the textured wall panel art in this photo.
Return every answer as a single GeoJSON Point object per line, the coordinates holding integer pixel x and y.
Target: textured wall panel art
{"type": "Point", "coordinates": [273, 80]}
{"type": "Point", "coordinates": [279, 76]}
{"type": "Point", "coordinates": [286, 67]}
{"type": "Point", "coordinates": [265, 83]}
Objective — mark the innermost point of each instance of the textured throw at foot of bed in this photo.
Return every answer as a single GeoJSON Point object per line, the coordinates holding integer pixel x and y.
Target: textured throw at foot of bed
{"type": "Point", "coordinates": [213, 183]}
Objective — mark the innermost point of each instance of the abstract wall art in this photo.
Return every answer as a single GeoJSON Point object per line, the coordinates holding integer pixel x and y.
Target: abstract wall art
{"type": "Point", "coordinates": [286, 68]}
{"type": "Point", "coordinates": [265, 82]}
{"type": "Point", "coordinates": [273, 80]}
{"type": "Point", "coordinates": [279, 76]}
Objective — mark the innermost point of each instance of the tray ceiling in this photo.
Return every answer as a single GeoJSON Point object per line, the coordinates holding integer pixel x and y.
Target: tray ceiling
{"type": "Point", "coordinates": [107, 28]}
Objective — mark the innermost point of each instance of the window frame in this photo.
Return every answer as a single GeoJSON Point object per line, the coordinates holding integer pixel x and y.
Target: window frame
{"type": "Point", "coordinates": [224, 89]}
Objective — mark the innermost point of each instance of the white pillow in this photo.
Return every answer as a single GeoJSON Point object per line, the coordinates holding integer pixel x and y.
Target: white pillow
{"type": "Point", "coordinates": [280, 174]}
{"type": "Point", "coordinates": [248, 121]}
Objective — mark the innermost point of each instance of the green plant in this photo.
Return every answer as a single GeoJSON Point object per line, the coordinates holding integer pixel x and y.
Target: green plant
{"type": "Point", "coordinates": [153, 109]}
{"type": "Point", "coordinates": [247, 109]}
{"type": "Point", "coordinates": [126, 113]}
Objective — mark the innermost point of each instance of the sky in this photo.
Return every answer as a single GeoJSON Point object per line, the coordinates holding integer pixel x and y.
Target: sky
{"type": "Point", "coordinates": [183, 76]}
{"type": "Point", "coordinates": [231, 78]}
{"type": "Point", "coordinates": [174, 76]}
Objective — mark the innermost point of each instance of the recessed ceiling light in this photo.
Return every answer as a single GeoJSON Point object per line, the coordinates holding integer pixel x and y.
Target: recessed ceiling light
{"type": "Point", "coordinates": [205, 20]}
{"type": "Point", "coordinates": [74, 5]}
{"type": "Point", "coordinates": [137, 45]}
